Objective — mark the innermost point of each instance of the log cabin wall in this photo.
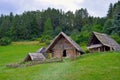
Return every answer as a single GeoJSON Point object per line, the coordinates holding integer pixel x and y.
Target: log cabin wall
{"type": "Point", "coordinates": [101, 49]}
{"type": "Point", "coordinates": [61, 45]}
{"type": "Point", "coordinates": [98, 49]}
{"type": "Point", "coordinates": [78, 53]}
{"type": "Point", "coordinates": [57, 53]}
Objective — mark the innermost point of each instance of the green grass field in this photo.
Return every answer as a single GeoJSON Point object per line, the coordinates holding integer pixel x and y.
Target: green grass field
{"type": "Point", "coordinates": [99, 66]}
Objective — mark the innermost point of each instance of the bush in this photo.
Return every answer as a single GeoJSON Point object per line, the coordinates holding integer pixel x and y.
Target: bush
{"type": "Point", "coordinates": [87, 51]}
{"type": "Point", "coordinates": [5, 41]}
{"type": "Point", "coordinates": [116, 37]}
{"type": "Point", "coordinates": [45, 39]}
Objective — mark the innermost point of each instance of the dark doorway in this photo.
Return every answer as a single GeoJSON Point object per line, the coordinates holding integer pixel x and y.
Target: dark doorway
{"type": "Point", "coordinates": [107, 48]}
{"type": "Point", "coordinates": [64, 53]}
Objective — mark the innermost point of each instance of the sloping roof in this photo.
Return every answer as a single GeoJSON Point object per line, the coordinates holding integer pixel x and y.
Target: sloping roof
{"type": "Point", "coordinates": [95, 45]}
{"type": "Point", "coordinates": [41, 50]}
{"type": "Point", "coordinates": [66, 37]}
{"type": "Point", "coordinates": [107, 41]}
{"type": "Point", "coordinates": [34, 57]}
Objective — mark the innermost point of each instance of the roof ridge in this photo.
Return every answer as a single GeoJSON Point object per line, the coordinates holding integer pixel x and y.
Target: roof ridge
{"type": "Point", "coordinates": [68, 38]}
{"type": "Point", "coordinates": [99, 33]}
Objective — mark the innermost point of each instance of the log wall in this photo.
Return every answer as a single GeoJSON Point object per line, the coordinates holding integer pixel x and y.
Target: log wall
{"type": "Point", "coordinates": [62, 45]}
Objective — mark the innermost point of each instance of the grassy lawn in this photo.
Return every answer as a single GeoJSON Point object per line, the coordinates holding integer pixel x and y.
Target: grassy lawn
{"type": "Point", "coordinates": [99, 66]}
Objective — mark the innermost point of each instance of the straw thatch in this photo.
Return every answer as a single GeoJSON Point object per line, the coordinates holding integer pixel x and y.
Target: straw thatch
{"type": "Point", "coordinates": [68, 39]}
{"type": "Point", "coordinates": [34, 57]}
{"type": "Point", "coordinates": [102, 40]}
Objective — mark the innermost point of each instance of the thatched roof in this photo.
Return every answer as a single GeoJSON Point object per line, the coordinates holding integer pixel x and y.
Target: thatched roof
{"type": "Point", "coordinates": [106, 40]}
{"type": "Point", "coordinates": [93, 46]}
{"type": "Point", "coordinates": [34, 57]}
{"type": "Point", "coordinates": [41, 50]}
{"type": "Point", "coordinates": [68, 39]}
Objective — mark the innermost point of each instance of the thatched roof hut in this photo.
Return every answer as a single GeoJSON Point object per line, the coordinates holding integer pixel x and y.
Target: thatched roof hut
{"type": "Point", "coordinates": [64, 46]}
{"type": "Point", "coordinates": [37, 56]}
{"type": "Point", "coordinates": [102, 42]}
{"type": "Point", "coordinates": [34, 57]}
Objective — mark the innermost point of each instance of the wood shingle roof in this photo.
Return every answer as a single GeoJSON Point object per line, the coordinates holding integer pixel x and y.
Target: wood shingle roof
{"type": "Point", "coordinates": [66, 37]}
{"type": "Point", "coordinates": [107, 41]}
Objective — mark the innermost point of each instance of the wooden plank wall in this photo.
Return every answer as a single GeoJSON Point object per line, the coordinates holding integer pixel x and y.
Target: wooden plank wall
{"type": "Point", "coordinates": [62, 45]}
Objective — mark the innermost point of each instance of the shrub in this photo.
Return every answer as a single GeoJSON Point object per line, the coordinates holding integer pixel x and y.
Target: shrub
{"type": "Point", "coordinates": [5, 41]}
{"type": "Point", "coordinates": [47, 42]}
{"type": "Point", "coordinates": [87, 51]}
{"type": "Point", "coordinates": [116, 37]}
{"type": "Point", "coordinates": [45, 39]}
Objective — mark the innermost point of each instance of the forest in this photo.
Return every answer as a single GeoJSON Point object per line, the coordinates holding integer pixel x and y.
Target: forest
{"type": "Point", "coordinates": [46, 24]}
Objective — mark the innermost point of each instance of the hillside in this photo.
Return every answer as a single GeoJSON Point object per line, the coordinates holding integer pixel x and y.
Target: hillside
{"type": "Point", "coordinates": [99, 66]}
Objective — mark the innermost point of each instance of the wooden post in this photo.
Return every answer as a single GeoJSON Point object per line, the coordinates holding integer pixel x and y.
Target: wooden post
{"type": "Point", "coordinates": [99, 49]}
{"type": "Point", "coordinates": [61, 52]}
{"type": "Point", "coordinates": [73, 55]}
{"type": "Point", "coordinates": [110, 48]}
{"type": "Point", "coordinates": [103, 48]}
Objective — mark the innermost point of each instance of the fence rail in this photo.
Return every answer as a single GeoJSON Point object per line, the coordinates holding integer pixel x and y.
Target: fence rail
{"type": "Point", "coordinates": [31, 63]}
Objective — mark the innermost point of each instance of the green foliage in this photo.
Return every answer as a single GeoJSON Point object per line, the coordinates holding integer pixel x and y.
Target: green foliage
{"type": "Point", "coordinates": [81, 18]}
{"type": "Point", "coordinates": [97, 28]}
{"type": "Point", "coordinates": [5, 41]}
{"type": "Point", "coordinates": [48, 28]}
{"type": "Point", "coordinates": [74, 34]}
{"type": "Point", "coordinates": [5, 26]}
{"type": "Point", "coordinates": [107, 26]}
{"type": "Point", "coordinates": [35, 24]}
{"type": "Point", "coordinates": [112, 24]}
{"type": "Point", "coordinates": [48, 32]}
{"type": "Point", "coordinates": [110, 11]}
{"type": "Point", "coordinates": [116, 23]}
{"type": "Point", "coordinates": [83, 36]}
{"type": "Point", "coordinates": [15, 29]}
{"type": "Point", "coordinates": [87, 51]}
{"type": "Point", "coordinates": [116, 37]}
{"type": "Point", "coordinates": [58, 29]}
{"type": "Point", "coordinates": [45, 39]}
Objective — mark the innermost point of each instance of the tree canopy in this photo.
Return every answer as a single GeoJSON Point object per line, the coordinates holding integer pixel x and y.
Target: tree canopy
{"type": "Point", "coordinates": [37, 24]}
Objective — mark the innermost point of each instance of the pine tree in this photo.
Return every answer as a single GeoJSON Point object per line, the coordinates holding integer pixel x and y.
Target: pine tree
{"type": "Point", "coordinates": [5, 25]}
{"type": "Point", "coordinates": [48, 32]}
{"type": "Point", "coordinates": [15, 28]}
{"type": "Point", "coordinates": [110, 11]}
{"type": "Point", "coordinates": [108, 26]}
{"type": "Point", "coordinates": [116, 20]}
{"type": "Point", "coordinates": [48, 28]}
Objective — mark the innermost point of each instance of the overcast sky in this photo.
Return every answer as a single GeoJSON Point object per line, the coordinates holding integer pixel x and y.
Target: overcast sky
{"type": "Point", "coordinates": [94, 7]}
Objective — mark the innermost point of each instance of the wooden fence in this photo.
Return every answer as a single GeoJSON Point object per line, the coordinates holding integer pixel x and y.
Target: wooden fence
{"type": "Point", "coordinates": [31, 63]}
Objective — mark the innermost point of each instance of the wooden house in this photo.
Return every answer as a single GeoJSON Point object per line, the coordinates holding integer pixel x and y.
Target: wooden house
{"type": "Point", "coordinates": [34, 57]}
{"type": "Point", "coordinates": [37, 56]}
{"type": "Point", "coordinates": [100, 42]}
{"type": "Point", "coordinates": [64, 46]}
